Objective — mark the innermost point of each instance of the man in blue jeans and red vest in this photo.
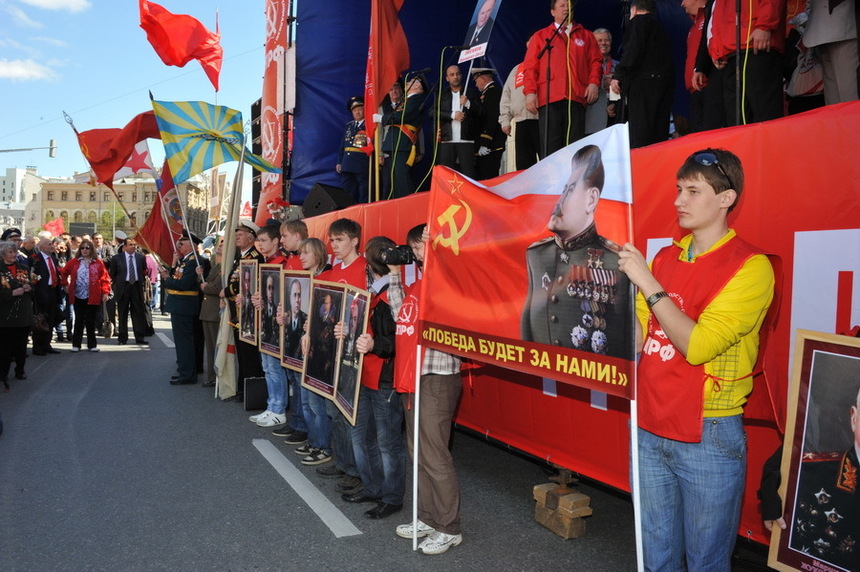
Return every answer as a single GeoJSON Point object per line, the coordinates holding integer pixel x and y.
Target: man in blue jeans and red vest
{"type": "Point", "coordinates": [701, 305]}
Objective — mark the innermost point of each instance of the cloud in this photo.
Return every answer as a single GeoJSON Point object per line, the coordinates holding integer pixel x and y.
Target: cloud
{"type": "Point", "coordinates": [25, 70]}
{"type": "Point", "coordinates": [70, 5]}
{"type": "Point", "coordinates": [20, 17]}
{"type": "Point", "coordinates": [51, 41]}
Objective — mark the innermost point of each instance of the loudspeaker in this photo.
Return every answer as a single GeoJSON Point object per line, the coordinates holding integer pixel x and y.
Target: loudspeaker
{"type": "Point", "coordinates": [324, 199]}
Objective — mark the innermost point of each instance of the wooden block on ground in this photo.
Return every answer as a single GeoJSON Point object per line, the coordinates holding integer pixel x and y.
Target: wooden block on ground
{"type": "Point", "coordinates": [564, 526]}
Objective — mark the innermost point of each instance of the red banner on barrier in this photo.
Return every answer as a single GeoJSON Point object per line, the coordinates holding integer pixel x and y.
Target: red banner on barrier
{"type": "Point", "coordinates": [524, 272]}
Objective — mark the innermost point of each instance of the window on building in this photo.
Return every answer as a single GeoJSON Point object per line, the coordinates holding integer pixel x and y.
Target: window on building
{"type": "Point", "coordinates": [79, 196]}
{"type": "Point", "coordinates": [121, 196]}
{"type": "Point", "coordinates": [134, 197]}
{"type": "Point", "coordinates": [92, 217]}
{"type": "Point", "coordinates": [92, 196]}
{"type": "Point", "coordinates": [146, 215]}
{"type": "Point", "coordinates": [78, 216]}
{"type": "Point", "coordinates": [49, 215]}
{"type": "Point", "coordinates": [64, 195]}
{"type": "Point", "coordinates": [106, 197]}
{"type": "Point", "coordinates": [50, 195]}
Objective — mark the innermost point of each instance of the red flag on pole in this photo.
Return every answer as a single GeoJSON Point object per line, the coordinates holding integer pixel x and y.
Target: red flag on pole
{"type": "Point", "coordinates": [108, 150]}
{"type": "Point", "coordinates": [155, 234]}
{"type": "Point", "coordinates": [387, 55]}
{"type": "Point", "coordinates": [56, 227]}
{"type": "Point", "coordinates": [179, 38]}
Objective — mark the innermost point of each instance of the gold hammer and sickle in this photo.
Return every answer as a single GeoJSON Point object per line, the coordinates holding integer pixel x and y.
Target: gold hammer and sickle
{"type": "Point", "coordinates": [447, 218]}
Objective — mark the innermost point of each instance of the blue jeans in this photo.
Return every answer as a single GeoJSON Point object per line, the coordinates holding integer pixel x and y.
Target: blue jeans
{"type": "Point", "coordinates": [341, 443]}
{"type": "Point", "coordinates": [319, 429]}
{"type": "Point", "coordinates": [297, 421]}
{"type": "Point", "coordinates": [691, 497]}
{"type": "Point", "coordinates": [276, 384]}
{"type": "Point", "coordinates": [379, 446]}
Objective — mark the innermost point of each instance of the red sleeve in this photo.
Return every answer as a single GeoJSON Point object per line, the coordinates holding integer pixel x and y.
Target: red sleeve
{"type": "Point", "coordinates": [595, 74]}
{"type": "Point", "coordinates": [104, 281]}
{"type": "Point", "coordinates": [769, 14]}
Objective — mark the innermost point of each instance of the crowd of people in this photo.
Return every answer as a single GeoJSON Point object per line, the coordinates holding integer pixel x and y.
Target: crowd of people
{"type": "Point", "coordinates": [468, 128]}
{"type": "Point", "coordinates": [58, 288]}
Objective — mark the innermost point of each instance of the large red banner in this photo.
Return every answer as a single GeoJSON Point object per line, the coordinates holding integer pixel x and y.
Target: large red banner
{"type": "Point", "coordinates": [272, 105]}
{"type": "Point", "coordinates": [524, 272]}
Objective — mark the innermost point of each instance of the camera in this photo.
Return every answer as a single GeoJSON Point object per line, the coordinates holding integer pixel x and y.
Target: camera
{"type": "Point", "coordinates": [397, 256]}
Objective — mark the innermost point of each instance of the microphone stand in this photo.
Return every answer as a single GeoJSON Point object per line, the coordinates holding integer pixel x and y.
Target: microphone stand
{"type": "Point", "coordinates": [547, 51]}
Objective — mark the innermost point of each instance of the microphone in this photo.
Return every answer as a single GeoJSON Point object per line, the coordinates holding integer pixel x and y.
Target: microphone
{"type": "Point", "coordinates": [457, 47]}
{"type": "Point", "coordinates": [419, 72]}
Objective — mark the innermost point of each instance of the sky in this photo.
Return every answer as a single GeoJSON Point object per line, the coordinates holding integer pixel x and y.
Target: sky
{"type": "Point", "coordinates": [91, 59]}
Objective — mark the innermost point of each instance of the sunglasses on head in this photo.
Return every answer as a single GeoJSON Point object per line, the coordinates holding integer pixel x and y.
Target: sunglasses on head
{"type": "Point", "coordinates": [708, 159]}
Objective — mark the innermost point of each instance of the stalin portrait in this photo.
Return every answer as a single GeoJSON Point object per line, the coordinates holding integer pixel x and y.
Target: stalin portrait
{"type": "Point", "coordinates": [826, 523]}
{"type": "Point", "coordinates": [577, 298]}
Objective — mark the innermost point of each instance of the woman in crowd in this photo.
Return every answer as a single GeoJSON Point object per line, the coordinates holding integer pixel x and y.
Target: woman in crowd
{"type": "Point", "coordinates": [87, 286]}
{"type": "Point", "coordinates": [313, 255]}
{"type": "Point", "coordinates": [16, 311]}
{"type": "Point", "coordinates": [64, 328]}
{"type": "Point", "coordinates": [210, 310]}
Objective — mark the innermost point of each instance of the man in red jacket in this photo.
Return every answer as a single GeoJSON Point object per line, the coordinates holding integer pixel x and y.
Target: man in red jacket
{"type": "Point", "coordinates": [575, 75]}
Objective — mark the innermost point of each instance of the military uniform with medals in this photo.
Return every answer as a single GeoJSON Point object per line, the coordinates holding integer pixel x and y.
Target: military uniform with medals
{"type": "Point", "coordinates": [183, 305]}
{"type": "Point", "coordinates": [577, 296]}
{"type": "Point", "coordinates": [247, 356]}
{"type": "Point", "coordinates": [827, 512]}
{"type": "Point", "coordinates": [353, 160]}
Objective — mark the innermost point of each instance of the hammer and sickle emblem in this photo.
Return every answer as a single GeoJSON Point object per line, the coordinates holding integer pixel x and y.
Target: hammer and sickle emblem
{"type": "Point", "coordinates": [456, 233]}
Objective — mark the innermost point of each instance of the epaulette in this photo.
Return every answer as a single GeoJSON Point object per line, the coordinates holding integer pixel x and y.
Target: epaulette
{"type": "Point", "coordinates": [542, 242]}
{"type": "Point", "coordinates": [609, 245]}
{"type": "Point", "coordinates": [819, 457]}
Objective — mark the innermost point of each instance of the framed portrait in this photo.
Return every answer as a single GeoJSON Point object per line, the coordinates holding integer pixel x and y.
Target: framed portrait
{"type": "Point", "coordinates": [355, 315]}
{"type": "Point", "coordinates": [247, 314]}
{"type": "Point", "coordinates": [270, 297]}
{"type": "Point", "coordinates": [296, 303]}
{"type": "Point", "coordinates": [326, 309]}
{"type": "Point", "coordinates": [819, 468]}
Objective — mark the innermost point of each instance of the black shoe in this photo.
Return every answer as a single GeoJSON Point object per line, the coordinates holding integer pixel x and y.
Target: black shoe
{"type": "Point", "coordinates": [296, 438]}
{"type": "Point", "coordinates": [141, 342]}
{"type": "Point", "coordinates": [330, 472]}
{"type": "Point", "coordinates": [358, 497]}
{"type": "Point", "coordinates": [183, 382]}
{"type": "Point", "coordinates": [349, 485]}
{"type": "Point", "coordinates": [21, 376]}
{"type": "Point", "coordinates": [121, 342]}
{"type": "Point", "coordinates": [383, 510]}
{"type": "Point", "coordinates": [207, 384]}
{"type": "Point", "coordinates": [172, 377]}
{"type": "Point", "coordinates": [38, 353]}
{"type": "Point", "coordinates": [283, 431]}
{"type": "Point", "coordinates": [53, 351]}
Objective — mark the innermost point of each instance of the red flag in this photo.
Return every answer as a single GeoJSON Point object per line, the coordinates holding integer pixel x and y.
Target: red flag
{"type": "Point", "coordinates": [179, 38]}
{"type": "Point", "coordinates": [107, 150]}
{"type": "Point", "coordinates": [155, 234]}
{"type": "Point", "coordinates": [56, 227]}
{"type": "Point", "coordinates": [387, 55]}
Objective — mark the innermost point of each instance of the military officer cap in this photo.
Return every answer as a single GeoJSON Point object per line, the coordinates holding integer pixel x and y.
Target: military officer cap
{"type": "Point", "coordinates": [193, 237]}
{"type": "Point", "coordinates": [248, 226]}
{"type": "Point", "coordinates": [481, 71]}
{"type": "Point", "coordinates": [120, 235]}
{"type": "Point", "coordinates": [354, 102]}
{"type": "Point", "coordinates": [11, 233]}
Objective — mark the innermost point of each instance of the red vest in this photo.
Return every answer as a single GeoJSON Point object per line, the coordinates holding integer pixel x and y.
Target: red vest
{"type": "Point", "coordinates": [670, 391]}
{"type": "Point", "coordinates": [406, 340]}
{"type": "Point", "coordinates": [371, 367]}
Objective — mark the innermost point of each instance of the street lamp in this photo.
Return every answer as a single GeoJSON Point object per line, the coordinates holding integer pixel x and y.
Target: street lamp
{"type": "Point", "coordinates": [52, 149]}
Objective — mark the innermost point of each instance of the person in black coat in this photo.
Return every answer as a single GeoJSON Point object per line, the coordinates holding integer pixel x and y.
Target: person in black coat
{"type": "Point", "coordinates": [47, 296]}
{"type": "Point", "coordinates": [401, 140]}
{"type": "Point", "coordinates": [458, 115]}
{"type": "Point", "coordinates": [645, 76]}
{"type": "Point", "coordinates": [127, 272]}
{"type": "Point", "coordinates": [353, 153]}
{"type": "Point", "coordinates": [491, 138]}
{"type": "Point", "coordinates": [16, 311]}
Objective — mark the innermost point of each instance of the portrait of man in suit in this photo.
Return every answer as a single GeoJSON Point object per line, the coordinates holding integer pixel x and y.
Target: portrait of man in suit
{"type": "Point", "coordinates": [482, 23]}
{"type": "Point", "coordinates": [294, 321]}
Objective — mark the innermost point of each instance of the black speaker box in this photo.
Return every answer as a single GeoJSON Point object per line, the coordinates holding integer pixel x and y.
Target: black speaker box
{"type": "Point", "coordinates": [324, 199]}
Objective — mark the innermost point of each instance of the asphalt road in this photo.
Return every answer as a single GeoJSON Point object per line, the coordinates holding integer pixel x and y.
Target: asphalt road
{"type": "Point", "coordinates": [105, 466]}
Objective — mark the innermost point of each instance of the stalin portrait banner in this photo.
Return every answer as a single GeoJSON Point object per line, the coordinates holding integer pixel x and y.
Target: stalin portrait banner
{"type": "Point", "coordinates": [523, 273]}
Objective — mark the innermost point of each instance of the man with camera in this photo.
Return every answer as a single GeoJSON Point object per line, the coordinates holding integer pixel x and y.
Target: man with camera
{"type": "Point", "coordinates": [440, 385]}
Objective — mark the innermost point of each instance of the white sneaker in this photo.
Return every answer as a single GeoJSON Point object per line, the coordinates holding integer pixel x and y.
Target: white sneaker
{"type": "Point", "coordinates": [439, 542]}
{"type": "Point", "coordinates": [272, 419]}
{"type": "Point", "coordinates": [406, 530]}
{"type": "Point", "coordinates": [75, 350]}
{"type": "Point", "coordinates": [94, 349]}
{"type": "Point", "coordinates": [258, 416]}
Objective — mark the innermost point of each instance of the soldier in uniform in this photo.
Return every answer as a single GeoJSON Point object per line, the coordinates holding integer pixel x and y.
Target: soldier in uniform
{"type": "Point", "coordinates": [183, 304]}
{"type": "Point", "coordinates": [401, 141]}
{"type": "Point", "coordinates": [352, 156]}
{"type": "Point", "coordinates": [247, 356]}
{"type": "Point", "coordinates": [491, 139]}
{"type": "Point", "coordinates": [827, 514]}
{"type": "Point", "coordinates": [577, 297]}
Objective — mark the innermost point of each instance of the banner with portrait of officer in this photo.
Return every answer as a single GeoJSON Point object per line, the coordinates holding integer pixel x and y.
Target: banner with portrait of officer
{"type": "Point", "coordinates": [537, 254]}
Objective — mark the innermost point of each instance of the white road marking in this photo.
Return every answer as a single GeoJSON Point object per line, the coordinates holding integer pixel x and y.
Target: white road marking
{"type": "Point", "coordinates": [337, 522]}
{"type": "Point", "coordinates": [167, 341]}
